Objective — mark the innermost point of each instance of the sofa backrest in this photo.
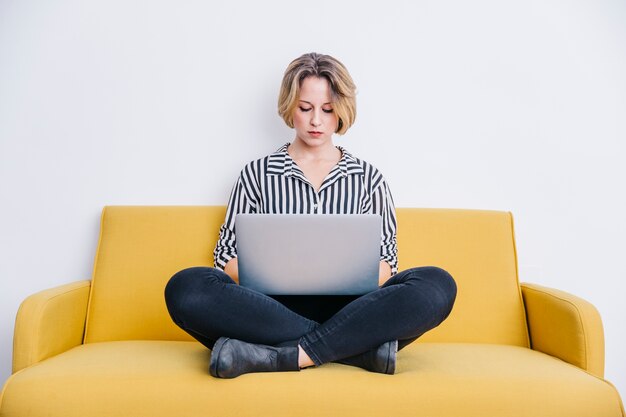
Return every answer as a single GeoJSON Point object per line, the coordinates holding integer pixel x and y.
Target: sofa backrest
{"type": "Point", "coordinates": [140, 248]}
{"type": "Point", "coordinates": [477, 247]}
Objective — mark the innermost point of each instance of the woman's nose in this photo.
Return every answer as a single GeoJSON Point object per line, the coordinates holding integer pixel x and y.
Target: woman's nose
{"type": "Point", "coordinates": [315, 119]}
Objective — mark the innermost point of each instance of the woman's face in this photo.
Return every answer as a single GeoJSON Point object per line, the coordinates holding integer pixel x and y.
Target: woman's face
{"type": "Point", "coordinates": [314, 118]}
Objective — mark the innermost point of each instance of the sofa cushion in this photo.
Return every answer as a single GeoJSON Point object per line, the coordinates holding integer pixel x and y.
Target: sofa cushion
{"type": "Point", "coordinates": [150, 378]}
{"type": "Point", "coordinates": [140, 248]}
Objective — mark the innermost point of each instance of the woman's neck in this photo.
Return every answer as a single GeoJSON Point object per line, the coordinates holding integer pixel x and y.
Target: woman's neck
{"type": "Point", "coordinates": [299, 150]}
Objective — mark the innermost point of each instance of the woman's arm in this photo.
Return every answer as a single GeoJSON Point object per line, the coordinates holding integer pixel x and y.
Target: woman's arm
{"type": "Point", "coordinates": [232, 269]}
{"type": "Point", "coordinates": [384, 273]}
{"type": "Point", "coordinates": [239, 202]}
{"type": "Point", "coordinates": [382, 204]}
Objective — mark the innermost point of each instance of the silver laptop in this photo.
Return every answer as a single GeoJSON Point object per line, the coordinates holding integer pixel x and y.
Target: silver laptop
{"type": "Point", "coordinates": [307, 254]}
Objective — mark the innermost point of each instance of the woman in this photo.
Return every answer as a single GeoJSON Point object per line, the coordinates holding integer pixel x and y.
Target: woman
{"type": "Point", "coordinates": [251, 332]}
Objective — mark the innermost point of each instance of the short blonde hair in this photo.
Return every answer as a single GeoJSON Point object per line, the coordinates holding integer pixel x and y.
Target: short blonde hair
{"type": "Point", "coordinates": [342, 88]}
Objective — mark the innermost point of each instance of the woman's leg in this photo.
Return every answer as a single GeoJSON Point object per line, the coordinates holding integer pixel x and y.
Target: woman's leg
{"type": "Point", "coordinates": [408, 305]}
{"type": "Point", "coordinates": [208, 304]}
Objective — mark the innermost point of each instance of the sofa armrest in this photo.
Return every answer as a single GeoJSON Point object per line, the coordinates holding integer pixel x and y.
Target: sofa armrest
{"type": "Point", "coordinates": [50, 322]}
{"type": "Point", "coordinates": [565, 326]}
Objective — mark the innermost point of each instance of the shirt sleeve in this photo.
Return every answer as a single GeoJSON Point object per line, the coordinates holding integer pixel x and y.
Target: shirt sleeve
{"type": "Point", "coordinates": [382, 203]}
{"type": "Point", "coordinates": [239, 202]}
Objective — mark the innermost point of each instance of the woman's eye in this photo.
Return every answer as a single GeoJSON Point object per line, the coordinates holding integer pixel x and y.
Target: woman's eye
{"type": "Point", "coordinates": [327, 110]}
{"type": "Point", "coordinates": [305, 110]}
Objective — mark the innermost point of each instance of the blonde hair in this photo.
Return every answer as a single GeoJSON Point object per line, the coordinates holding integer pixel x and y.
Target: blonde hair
{"type": "Point", "coordinates": [323, 66]}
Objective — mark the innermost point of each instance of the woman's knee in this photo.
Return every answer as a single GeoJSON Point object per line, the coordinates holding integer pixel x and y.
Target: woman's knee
{"type": "Point", "coordinates": [449, 289]}
{"type": "Point", "coordinates": [443, 287]}
{"type": "Point", "coordinates": [186, 285]}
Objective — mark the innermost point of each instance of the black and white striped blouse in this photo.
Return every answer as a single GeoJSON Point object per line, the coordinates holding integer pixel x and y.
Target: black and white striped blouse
{"type": "Point", "coordinates": [276, 185]}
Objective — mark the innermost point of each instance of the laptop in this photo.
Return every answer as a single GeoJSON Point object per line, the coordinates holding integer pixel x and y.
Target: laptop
{"type": "Point", "coordinates": [309, 254]}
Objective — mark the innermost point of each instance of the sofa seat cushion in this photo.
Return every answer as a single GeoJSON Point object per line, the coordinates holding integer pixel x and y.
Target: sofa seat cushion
{"type": "Point", "coordinates": [168, 378]}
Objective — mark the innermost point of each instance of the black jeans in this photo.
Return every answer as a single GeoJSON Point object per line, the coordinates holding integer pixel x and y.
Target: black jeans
{"type": "Point", "coordinates": [208, 304]}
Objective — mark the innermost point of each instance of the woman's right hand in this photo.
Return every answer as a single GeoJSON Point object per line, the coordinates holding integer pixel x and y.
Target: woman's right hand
{"type": "Point", "coordinates": [232, 270]}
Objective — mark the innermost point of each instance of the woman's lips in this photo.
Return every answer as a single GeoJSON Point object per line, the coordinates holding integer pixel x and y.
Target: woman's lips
{"type": "Point", "coordinates": [315, 133]}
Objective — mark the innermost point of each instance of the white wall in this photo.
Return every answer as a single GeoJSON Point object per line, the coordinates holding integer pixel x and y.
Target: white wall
{"type": "Point", "coordinates": [514, 106]}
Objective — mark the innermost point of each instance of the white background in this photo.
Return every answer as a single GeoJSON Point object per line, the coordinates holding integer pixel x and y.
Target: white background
{"type": "Point", "coordinates": [516, 106]}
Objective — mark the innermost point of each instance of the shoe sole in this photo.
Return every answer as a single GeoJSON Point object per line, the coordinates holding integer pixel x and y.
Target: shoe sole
{"type": "Point", "coordinates": [391, 364]}
{"type": "Point", "coordinates": [215, 354]}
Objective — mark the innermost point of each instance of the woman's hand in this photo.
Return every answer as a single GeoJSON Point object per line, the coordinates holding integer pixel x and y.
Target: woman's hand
{"type": "Point", "coordinates": [384, 273]}
{"type": "Point", "coordinates": [232, 270]}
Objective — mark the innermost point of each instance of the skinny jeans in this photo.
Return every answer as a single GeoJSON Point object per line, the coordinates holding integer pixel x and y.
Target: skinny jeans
{"type": "Point", "coordinates": [208, 304]}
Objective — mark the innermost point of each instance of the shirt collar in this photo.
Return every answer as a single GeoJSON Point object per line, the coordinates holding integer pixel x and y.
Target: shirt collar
{"type": "Point", "coordinates": [280, 163]}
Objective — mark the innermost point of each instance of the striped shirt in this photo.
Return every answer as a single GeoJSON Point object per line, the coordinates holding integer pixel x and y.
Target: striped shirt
{"type": "Point", "coordinates": [276, 185]}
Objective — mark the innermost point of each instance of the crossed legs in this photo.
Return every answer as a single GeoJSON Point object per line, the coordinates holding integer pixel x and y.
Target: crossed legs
{"type": "Point", "coordinates": [208, 304]}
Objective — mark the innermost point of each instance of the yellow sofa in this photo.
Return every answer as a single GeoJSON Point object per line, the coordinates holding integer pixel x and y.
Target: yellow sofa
{"type": "Point", "coordinates": [107, 347]}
